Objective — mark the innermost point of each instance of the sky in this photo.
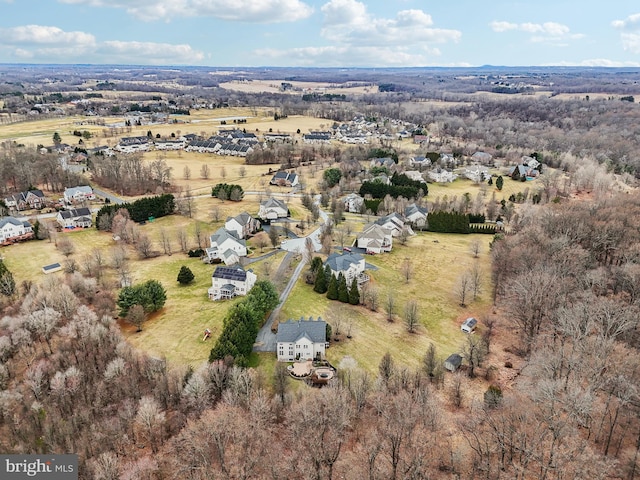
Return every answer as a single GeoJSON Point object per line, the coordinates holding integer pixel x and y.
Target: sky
{"type": "Point", "coordinates": [322, 33]}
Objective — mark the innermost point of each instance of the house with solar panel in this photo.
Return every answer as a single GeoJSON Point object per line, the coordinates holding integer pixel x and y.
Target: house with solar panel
{"type": "Point", "coordinates": [229, 282]}
{"type": "Point", "coordinates": [301, 339]}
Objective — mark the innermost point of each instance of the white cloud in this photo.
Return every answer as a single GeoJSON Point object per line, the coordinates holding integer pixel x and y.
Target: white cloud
{"type": "Point", "coordinates": [356, 37]}
{"type": "Point", "coordinates": [51, 44]}
{"type": "Point", "coordinates": [256, 11]}
{"type": "Point", "coordinates": [348, 22]}
{"type": "Point", "coordinates": [44, 35]}
{"type": "Point", "coordinates": [631, 22]}
{"type": "Point", "coordinates": [548, 32]}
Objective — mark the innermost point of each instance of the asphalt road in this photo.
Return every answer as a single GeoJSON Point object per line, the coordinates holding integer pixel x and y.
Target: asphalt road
{"type": "Point", "coordinates": [266, 339]}
{"type": "Point", "coordinates": [112, 198]}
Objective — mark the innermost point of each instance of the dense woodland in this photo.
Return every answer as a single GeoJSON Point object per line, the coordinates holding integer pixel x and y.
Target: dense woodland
{"type": "Point", "coordinates": [566, 286]}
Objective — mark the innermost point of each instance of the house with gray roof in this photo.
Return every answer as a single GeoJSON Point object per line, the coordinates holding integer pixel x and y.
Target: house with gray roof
{"type": "Point", "coordinates": [351, 265]}
{"type": "Point", "coordinates": [272, 209]}
{"type": "Point", "coordinates": [284, 179]}
{"type": "Point", "coordinates": [226, 247]}
{"type": "Point", "coordinates": [228, 282]}
{"type": "Point", "coordinates": [301, 339]}
{"type": "Point", "coordinates": [12, 229]}
{"type": "Point", "coordinates": [78, 194]}
{"type": "Point", "coordinates": [416, 215]}
{"type": "Point", "coordinates": [74, 218]}
{"type": "Point", "coordinates": [375, 239]}
{"type": "Point", "coordinates": [242, 225]}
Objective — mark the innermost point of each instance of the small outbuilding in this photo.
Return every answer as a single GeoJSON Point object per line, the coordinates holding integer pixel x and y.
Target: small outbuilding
{"type": "Point", "coordinates": [453, 362]}
{"type": "Point", "coordinates": [469, 325]}
{"type": "Point", "coordinates": [54, 267]}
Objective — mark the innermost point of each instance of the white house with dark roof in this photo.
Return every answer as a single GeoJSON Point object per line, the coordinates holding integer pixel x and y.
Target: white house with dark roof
{"type": "Point", "coordinates": [284, 179]}
{"type": "Point", "coordinates": [78, 194]}
{"type": "Point", "coordinates": [133, 144]}
{"type": "Point", "coordinates": [74, 218]}
{"type": "Point", "coordinates": [228, 282]}
{"type": "Point", "coordinates": [11, 228]}
{"type": "Point", "coordinates": [242, 225]}
{"type": "Point", "coordinates": [476, 173]}
{"type": "Point", "coordinates": [301, 339]}
{"type": "Point", "coordinates": [416, 215]}
{"type": "Point", "coordinates": [226, 247]}
{"type": "Point", "coordinates": [317, 137]}
{"type": "Point", "coordinates": [419, 161]}
{"type": "Point", "coordinates": [272, 209]}
{"type": "Point", "coordinates": [351, 265]}
{"type": "Point", "coordinates": [375, 239]}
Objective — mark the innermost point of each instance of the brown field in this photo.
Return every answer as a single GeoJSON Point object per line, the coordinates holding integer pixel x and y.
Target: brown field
{"type": "Point", "coordinates": [273, 86]}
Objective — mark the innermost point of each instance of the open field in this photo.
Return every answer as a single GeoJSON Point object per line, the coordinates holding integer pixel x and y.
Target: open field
{"type": "Point", "coordinates": [273, 86]}
{"type": "Point", "coordinates": [462, 185]}
{"type": "Point", "coordinates": [436, 268]}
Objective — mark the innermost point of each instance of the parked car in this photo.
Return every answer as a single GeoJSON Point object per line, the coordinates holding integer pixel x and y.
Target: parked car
{"type": "Point", "coordinates": [469, 325]}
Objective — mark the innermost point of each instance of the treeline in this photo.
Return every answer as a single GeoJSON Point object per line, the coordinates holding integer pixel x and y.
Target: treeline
{"type": "Point", "coordinates": [456, 222]}
{"type": "Point", "coordinates": [325, 97]}
{"type": "Point", "coordinates": [129, 174]}
{"type": "Point", "coordinates": [401, 186]}
{"type": "Point", "coordinates": [140, 210]}
{"type": "Point", "coordinates": [242, 323]}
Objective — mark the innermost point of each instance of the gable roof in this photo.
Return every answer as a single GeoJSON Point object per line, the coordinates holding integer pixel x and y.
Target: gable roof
{"type": "Point", "coordinates": [375, 231]}
{"type": "Point", "coordinates": [70, 192]}
{"type": "Point", "coordinates": [76, 212]}
{"type": "Point", "coordinates": [230, 273]}
{"type": "Point", "coordinates": [12, 220]}
{"type": "Point", "coordinates": [242, 218]}
{"type": "Point", "coordinates": [413, 209]}
{"type": "Point", "coordinates": [274, 203]}
{"type": "Point", "coordinates": [221, 235]}
{"type": "Point", "coordinates": [341, 262]}
{"type": "Point", "coordinates": [293, 330]}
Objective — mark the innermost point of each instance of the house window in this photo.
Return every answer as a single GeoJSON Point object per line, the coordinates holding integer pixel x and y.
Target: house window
{"type": "Point", "coordinates": [306, 347]}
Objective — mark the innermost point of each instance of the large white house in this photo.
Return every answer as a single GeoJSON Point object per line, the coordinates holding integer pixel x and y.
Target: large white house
{"type": "Point", "coordinates": [12, 228]}
{"type": "Point", "coordinates": [228, 282]}
{"type": "Point", "coordinates": [351, 265]}
{"type": "Point", "coordinates": [78, 194]}
{"type": "Point", "coordinates": [395, 223]}
{"type": "Point", "coordinates": [133, 144]}
{"type": "Point", "coordinates": [301, 339]}
{"type": "Point", "coordinates": [226, 247]}
{"type": "Point", "coordinates": [74, 217]}
{"type": "Point", "coordinates": [272, 209]}
{"type": "Point", "coordinates": [375, 239]}
{"type": "Point", "coordinates": [242, 225]}
{"type": "Point", "coordinates": [416, 215]}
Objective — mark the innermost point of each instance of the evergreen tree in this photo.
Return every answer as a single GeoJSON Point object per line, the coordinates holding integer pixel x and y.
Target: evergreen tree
{"type": "Point", "coordinates": [343, 290]}
{"type": "Point", "coordinates": [320, 285]}
{"type": "Point", "coordinates": [185, 276]}
{"type": "Point", "coordinates": [7, 282]}
{"type": "Point", "coordinates": [354, 294]}
{"type": "Point", "coordinates": [332, 289]}
{"type": "Point", "coordinates": [499, 182]}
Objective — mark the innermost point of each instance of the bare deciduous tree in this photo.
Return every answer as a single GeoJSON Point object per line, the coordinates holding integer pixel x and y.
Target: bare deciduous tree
{"type": "Point", "coordinates": [205, 171]}
{"type": "Point", "coordinates": [463, 288]}
{"type": "Point", "coordinates": [407, 269]}
{"type": "Point", "coordinates": [411, 317]}
{"type": "Point", "coordinates": [186, 172]}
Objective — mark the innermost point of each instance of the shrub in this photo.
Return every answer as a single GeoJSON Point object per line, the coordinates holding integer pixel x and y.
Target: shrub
{"type": "Point", "coordinates": [185, 276]}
